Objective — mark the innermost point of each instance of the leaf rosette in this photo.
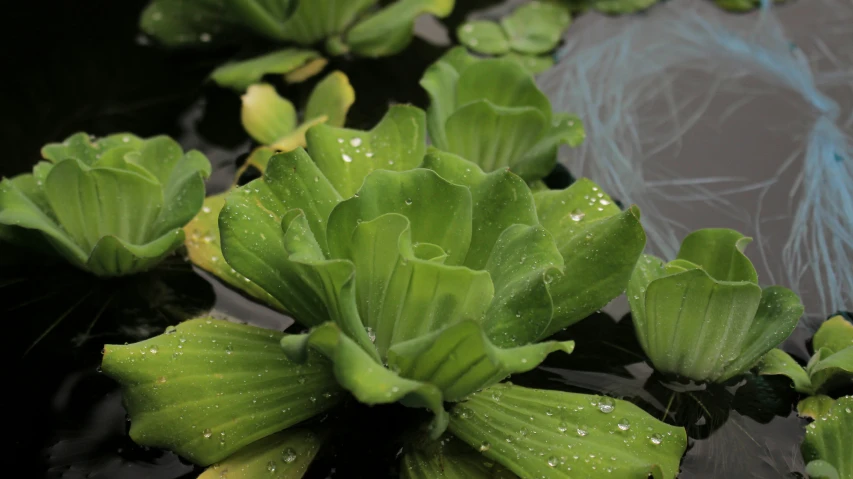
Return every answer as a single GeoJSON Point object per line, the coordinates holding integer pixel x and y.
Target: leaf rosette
{"type": "Point", "coordinates": [427, 258]}
{"type": "Point", "coordinates": [703, 315]}
{"type": "Point", "coordinates": [421, 280]}
{"type": "Point", "coordinates": [359, 26]}
{"type": "Point", "coordinates": [830, 366]}
{"type": "Point", "coordinates": [490, 112]}
{"type": "Point", "coordinates": [112, 206]}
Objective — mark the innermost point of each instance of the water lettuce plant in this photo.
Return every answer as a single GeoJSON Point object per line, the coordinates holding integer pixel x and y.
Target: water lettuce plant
{"type": "Point", "coordinates": [830, 365]}
{"type": "Point", "coordinates": [827, 439]}
{"type": "Point", "coordinates": [526, 35]}
{"type": "Point", "coordinates": [361, 27]}
{"type": "Point", "coordinates": [490, 112]}
{"type": "Point", "coordinates": [424, 281]}
{"type": "Point", "coordinates": [703, 316]}
{"type": "Point", "coordinates": [111, 206]}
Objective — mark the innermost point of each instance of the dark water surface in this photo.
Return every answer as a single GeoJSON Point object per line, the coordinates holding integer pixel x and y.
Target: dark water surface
{"type": "Point", "coordinates": [80, 66]}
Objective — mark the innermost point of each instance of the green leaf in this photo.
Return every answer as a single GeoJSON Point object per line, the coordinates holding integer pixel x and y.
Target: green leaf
{"type": "Point", "coordinates": [828, 437]}
{"type": "Point", "coordinates": [483, 36]}
{"type": "Point", "coordinates": [347, 156]}
{"type": "Point", "coordinates": [777, 361]}
{"type": "Point", "coordinates": [492, 113]}
{"type": "Point", "coordinates": [600, 246]}
{"type": "Point", "coordinates": [500, 200]}
{"type": "Point", "coordinates": [819, 469]}
{"type": "Point", "coordinates": [448, 458]}
{"type": "Point", "coordinates": [540, 160]}
{"type": "Point", "coordinates": [536, 27]}
{"type": "Point", "coordinates": [253, 240]}
{"type": "Point", "coordinates": [695, 325]}
{"type": "Point", "coordinates": [265, 115]}
{"type": "Point", "coordinates": [439, 211]}
{"type": "Point", "coordinates": [315, 20]}
{"type": "Point", "coordinates": [205, 251]}
{"type": "Point", "coordinates": [331, 98]}
{"type": "Point", "coordinates": [187, 23]}
{"type": "Point", "coordinates": [719, 252]}
{"type": "Point", "coordinates": [284, 455]}
{"type": "Point", "coordinates": [538, 433]}
{"type": "Point", "coordinates": [402, 296]}
{"type": "Point", "coordinates": [827, 370]}
{"type": "Point", "coordinates": [240, 75]}
{"type": "Point", "coordinates": [24, 206]}
{"type": "Point", "coordinates": [460, 359]}
{"type": "Point", "coordinates": [439, 81]}
{"type": "Point", "coordinates": [390, 29]}
{"type": "Point", "coordinates": [360, 374]}
{"type": "Point", "coordinates": [516, 88]}
{"type": "Point", "coordinates": [835, 334]}
{"type": "Point", "coordinates": [491, 136]}
{"type": "Point", "coordinates": [618, 7]}
{"type": "Point", "coordinates": [210, 387]}
{"type": "Point", "coordinates": [532, 63]}
{"type": "Point", "coordinates": [814, 406]}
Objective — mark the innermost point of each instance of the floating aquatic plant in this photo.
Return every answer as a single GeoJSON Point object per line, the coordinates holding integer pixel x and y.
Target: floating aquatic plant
{"type": "Point", "coordinates": [526, 35]}
{"type": "Point", "coordinates": [831, 365]}
{"type": "Point", "coordinates": [827, 439]}
{"type": "Point", "coordinates": [703, 315]}
{"type": "Point", "coordinates": [112, 206]}
{"type": "Point", "coordinates": [361, 27]}
{"type": "Point", "coordinates": [424, 281]}
{"type": "Point", "coordinates": [492, 113]}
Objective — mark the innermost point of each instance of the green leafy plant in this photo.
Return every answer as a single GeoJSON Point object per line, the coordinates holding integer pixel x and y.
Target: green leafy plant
{"type": "Point", "coordinates": [424, 281]}
{"type": "Point", "coordinates": [740, 5]}
{"type": "Point", "coordinates": [830, 365]}
{"type": "Point", "coordinates": [703, 315]}
{"type": "Point", "coordinates": [609, 7]}
{"type": "Point", "coordinates": [272, 120]}
{"type": "Point", "coordinates": [492, 113]}
{"type": "Point", "coordinates": [526, 35]}
{"type": "Point", "coordinates": [360, 27]}
{"type": "Point", "coordinates": [114, 206]}
{"type": "Point", "coordinates": [826, 447]}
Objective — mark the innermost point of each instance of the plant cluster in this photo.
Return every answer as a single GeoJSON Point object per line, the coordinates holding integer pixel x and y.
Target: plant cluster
{"type": "Point", "coordinates": [422, 276]}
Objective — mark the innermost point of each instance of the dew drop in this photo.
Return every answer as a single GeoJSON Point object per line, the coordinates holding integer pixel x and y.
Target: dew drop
{"type": "Point", "coordinates": [577, 214]}
{"type": "Point", "coordinates": [485, 446]}
{"type": "Point", "coordinates": [552, 461]}
{"type": "Point", "coordinates": [562, 427]}
{"type": "Point", "coordinates": [408, 201]}
{"type": "Point", "coordinates": [153, 350]}
{"type": "Point", "coordinates": [207, 433]}
{"type": "Point", "coordinates": [606, 405]}
{"type": "Point", "coordinates": [355, 141]}
{"type": "Point", "coordinates": [623, 425]}
{"type": "Point", "coordinates": [582, 431]}
{"type": "Point", "coordinates": [346, 158]}
{"type": "Point", "coordinates": [371, 334]}
{"type": "Point", "coordinates": [656, 439]}
{"type": "Point", "coordinates": [288, 455]}
{"type": "Point", "coordinates": [271, 466]}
